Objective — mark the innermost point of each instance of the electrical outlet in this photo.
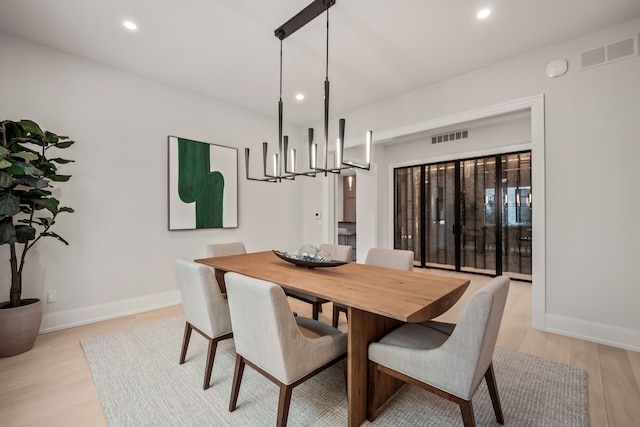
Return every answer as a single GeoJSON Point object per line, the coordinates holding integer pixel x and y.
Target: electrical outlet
{"type": "Point", "coordinates": [51, 297]}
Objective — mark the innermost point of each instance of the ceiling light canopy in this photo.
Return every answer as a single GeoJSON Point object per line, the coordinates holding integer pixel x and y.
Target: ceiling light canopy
{"type": "Point", "coordinates": [288, 157]}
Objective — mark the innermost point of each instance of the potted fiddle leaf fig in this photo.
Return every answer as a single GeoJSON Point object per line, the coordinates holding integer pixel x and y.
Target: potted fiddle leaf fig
{"type": "Point", "coordinates": [28, 211]}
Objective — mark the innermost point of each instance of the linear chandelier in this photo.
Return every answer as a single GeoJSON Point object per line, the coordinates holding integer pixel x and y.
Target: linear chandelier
{"type": "Point", "coordinates": [286, 169]}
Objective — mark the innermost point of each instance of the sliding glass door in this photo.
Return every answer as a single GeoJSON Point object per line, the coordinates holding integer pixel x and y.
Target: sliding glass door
{"type": "Point", "coordinates": [467, 215]}
{"type": "Point", "coordinates": [478, 215]}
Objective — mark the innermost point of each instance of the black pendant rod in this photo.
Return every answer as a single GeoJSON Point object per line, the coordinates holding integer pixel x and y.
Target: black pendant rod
{"type": "Point", "coordinates": [280, 114]}
{"type": "Point", "coordinates": [326, 103]}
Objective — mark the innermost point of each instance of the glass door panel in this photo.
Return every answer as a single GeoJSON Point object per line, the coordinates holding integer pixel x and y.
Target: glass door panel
{"type": "Point", "coordinates": [440, 215]}
{"type": "Point", "coordinates": [516, 215]}
{"type": "Point", "coordinates": [477, 215]}
{"type": "Point", "coordinates": [408, 224]}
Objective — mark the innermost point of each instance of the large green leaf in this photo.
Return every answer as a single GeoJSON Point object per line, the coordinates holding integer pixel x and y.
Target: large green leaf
{"type": "Point", "coordinates": [35, 182]}
{"type": "Point", "coordinates": [61, 161]}
{"type": "Point", "coordinates": [51, 204]}
{"type": "Point", "coordinates": [35, 194]}
{"type": "Point", "coordinates": [7, 233]}
{"type": "Point", "coordinates": [3, 152]}
{"type": "Point", "coordinates": [24, 233]}
{"type": "Point", "coordinates": [59, 178]}
{"type": "Point", "coordinates": [4, 163]}
{"type": "Point", "coordinates": [5, 180]}
{"type": "Point", "coordinates": [22, 168]}
{"type": "Point", "coordinates": [65, 209]}
{"type": "Point", "coordinates": [26, 156]}
{"type": "Point", "coordinates": [31, 127]}
{"type": "Point", "coordinates": [65, 144]}
{"type": "Point", "coordinates": [51, 137]}
{"type": "Point", "coordinates": [9, 204]}
{"type": "Point", "coordinates": [51, 234]}
{"type": "Point", "coordinates": [29, 140]}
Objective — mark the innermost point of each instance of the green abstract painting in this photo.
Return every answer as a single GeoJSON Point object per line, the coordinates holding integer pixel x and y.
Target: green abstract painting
{"type": "Point", "coordinates": [203, 185]}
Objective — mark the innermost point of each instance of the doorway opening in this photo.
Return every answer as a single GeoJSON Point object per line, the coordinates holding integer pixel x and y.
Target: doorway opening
{"type": "Point", "coordinates": [471, 215]}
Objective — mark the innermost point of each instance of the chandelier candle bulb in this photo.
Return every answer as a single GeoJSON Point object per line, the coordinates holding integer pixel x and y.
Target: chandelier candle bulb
{"type": "Point", "coordinates": [293, 160]}
{"type": "Point", "coordinates": [368, 148]}
{"type": "Point", "coordinates": [275, 165]}
{"type": "Point", "coordinates": [314, 155]}
{"type": "Point", "coordinates": [338, 152]}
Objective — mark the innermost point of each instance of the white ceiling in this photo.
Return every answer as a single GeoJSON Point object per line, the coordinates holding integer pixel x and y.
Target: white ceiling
{"type": "Point", "coordinates": [226, 49]}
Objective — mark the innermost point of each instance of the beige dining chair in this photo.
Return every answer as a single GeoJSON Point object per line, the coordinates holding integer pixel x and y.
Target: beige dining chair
{"type": "Point", "coordinates": [287, 350]}
{"type": "Point", "coordinates": [225, 249]}
{"type": "Point", "coordinates": [205, 310]}
{"type": "Point", "coordinates": [399, 259]}
{"type": "Point", "coordinates": [337, 252]}
{"type": "Point", "coordinates": [445, 359]}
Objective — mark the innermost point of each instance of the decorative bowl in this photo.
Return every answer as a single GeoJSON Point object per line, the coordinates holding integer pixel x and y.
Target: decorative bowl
{"type": "Point", "coordinates": [292, 258]}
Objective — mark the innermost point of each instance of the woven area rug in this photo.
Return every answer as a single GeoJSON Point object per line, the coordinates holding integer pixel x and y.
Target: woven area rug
{"type": "Point", "coordinates": [140, 383]}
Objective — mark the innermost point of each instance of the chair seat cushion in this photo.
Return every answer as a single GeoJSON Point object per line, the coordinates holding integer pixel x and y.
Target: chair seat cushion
{"type": "Point", "coordinates": [445, 328]}
{"type": "Point", "coordinates": [303, 296]}
{"type": "Point", "coordinates": [413, 335]}
{"type": "Point", "coordinates": [313, 329]}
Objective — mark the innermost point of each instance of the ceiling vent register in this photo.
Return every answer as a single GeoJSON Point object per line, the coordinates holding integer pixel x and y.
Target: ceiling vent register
{"type": "Point", "coordinates": [450, 136]}
{"type": "Point", "coordinates": [611, 52]}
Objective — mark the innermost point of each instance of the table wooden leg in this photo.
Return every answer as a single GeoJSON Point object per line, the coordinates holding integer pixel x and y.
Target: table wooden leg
{"type": "Point", "coordinates": [220, 279]}
{"type": "Point", "coordinates": [364, 328]}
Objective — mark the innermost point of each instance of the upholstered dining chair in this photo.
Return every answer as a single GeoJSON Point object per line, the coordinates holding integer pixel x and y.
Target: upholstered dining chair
{"type": "Point", "coordinates": [205, 310]}
{"type": "Point", "coordinates": [225, 249]}
{"type": "Point", "coordinates": [399, 259]}
{"type": "Point", "coordinates": [287, 350]}
{"type": "Point", "coordinates": [337, 252]}
{"type": "Point", "coordinates": [445, 359]}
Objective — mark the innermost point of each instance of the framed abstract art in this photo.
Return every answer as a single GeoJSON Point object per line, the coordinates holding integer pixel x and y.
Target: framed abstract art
{"type": "Point", "coordinates": [203, 185]}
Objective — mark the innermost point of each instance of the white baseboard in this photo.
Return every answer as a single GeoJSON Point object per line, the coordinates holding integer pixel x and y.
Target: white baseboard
{"type": "Point", "coordinates": [97, 313]}
{"type": "Point", "coordinates": [591, 331]}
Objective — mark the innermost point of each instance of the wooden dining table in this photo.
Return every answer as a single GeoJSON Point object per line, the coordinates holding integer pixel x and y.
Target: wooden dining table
{"type": "Point", "coordinates": [379, 300]}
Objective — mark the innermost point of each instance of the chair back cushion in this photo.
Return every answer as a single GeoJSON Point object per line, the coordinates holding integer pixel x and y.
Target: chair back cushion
{"type": "Point", "coordinates": [266, 333]}
{"type": "Point", "coordinates": [390, 258]}
{"type": "Point", "coordinates": [204, 306]}
{"type": "Point", "coordinates": [225, 249]}
{"type": "Point", "coordinates": [475, 335]}
{"type": "Point", "coordinates": [338, 252]}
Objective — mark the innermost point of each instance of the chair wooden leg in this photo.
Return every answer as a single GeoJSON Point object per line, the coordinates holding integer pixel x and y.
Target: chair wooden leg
{"type": "Point", "coordinates": [211, 355]}
{"type": "Point", "coordinates": [335, 317]}
{"type": "Point", "coordinates": [490, 378]}
{"type": "Point", "coordinates": [237, 379]}
{"type": "Point", "coordinates": [185, 341]}
{"type": "Point", "coordinates": [468, 419]}
{"type": "Point", "coordinates": [283, 404]}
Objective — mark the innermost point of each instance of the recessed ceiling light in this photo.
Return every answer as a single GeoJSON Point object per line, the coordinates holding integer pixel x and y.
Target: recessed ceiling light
{"type": "Point", "coordinates": [299, 96]}
{"type": "Point", "coordinates": [484, 13]}
{"type": "Point", "coordinates": [129, 25]}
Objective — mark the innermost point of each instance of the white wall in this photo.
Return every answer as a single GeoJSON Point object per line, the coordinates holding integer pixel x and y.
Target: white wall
{"type": "Point", "coordinates": [591, 151]}
{"type": "Point", "coordinates": [121, 254]}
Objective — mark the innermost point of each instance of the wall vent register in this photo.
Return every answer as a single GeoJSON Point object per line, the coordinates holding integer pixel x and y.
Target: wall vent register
{"type": "Point", "coordinates": [450, 136]}
{"type": "Point", "coordinates": [615, 51]}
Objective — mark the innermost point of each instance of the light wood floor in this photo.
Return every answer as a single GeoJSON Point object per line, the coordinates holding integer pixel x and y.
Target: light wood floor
{"type": "Point", "coordinates": [51, 384]}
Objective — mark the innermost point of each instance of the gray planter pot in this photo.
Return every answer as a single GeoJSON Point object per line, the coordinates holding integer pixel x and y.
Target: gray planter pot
{"type": "Point", "coordinates": [19, 327]}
